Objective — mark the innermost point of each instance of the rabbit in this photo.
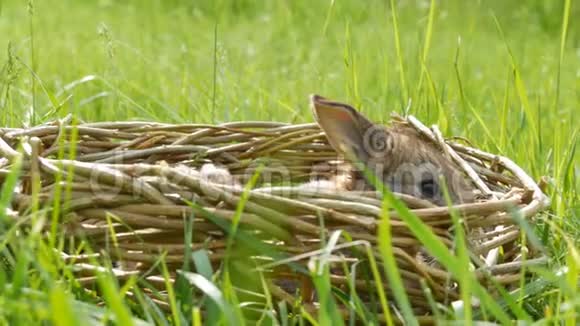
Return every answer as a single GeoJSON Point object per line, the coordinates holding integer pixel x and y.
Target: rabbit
{"type": "Point", "coordinates": [399, 157]}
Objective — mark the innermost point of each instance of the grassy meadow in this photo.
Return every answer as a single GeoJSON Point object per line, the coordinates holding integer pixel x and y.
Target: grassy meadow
{"type": "Point", "coordinates": [504, 74]}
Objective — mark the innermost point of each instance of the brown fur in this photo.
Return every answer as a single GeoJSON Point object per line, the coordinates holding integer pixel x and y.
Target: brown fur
{"type": "Point", "coordinates": [398, 155]}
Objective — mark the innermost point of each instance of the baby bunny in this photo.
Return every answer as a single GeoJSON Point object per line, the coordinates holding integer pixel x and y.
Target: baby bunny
{"type": "Point", "coordinates": [398, 155]}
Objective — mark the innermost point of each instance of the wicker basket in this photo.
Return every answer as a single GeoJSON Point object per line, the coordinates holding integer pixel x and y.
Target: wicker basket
{"type": "Point", "coordinates": [129, 188]}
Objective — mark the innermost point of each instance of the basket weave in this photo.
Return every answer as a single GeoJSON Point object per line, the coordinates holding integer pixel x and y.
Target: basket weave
{"type": "Point", "coordinates": [129, 186]}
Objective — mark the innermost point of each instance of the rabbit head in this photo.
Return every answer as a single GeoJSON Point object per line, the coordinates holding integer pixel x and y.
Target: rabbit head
{"type": "Point", "coordinates": [400, 158]}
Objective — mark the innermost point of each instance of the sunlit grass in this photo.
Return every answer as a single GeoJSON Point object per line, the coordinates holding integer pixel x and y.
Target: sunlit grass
{"type": "Point", "coordinates": [504, 75]}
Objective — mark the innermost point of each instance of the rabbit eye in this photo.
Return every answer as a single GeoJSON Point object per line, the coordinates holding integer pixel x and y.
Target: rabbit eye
{"type": "Point", "coordinates": [429, 188]}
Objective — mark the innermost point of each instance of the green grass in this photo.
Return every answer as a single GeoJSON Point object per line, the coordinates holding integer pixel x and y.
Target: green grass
{"type": "Point", "coordinates": [506, 75]}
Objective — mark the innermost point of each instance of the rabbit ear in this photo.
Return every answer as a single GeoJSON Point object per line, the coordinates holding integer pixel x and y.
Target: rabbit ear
{"type": "Point", "coordinates": [344, 127]}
